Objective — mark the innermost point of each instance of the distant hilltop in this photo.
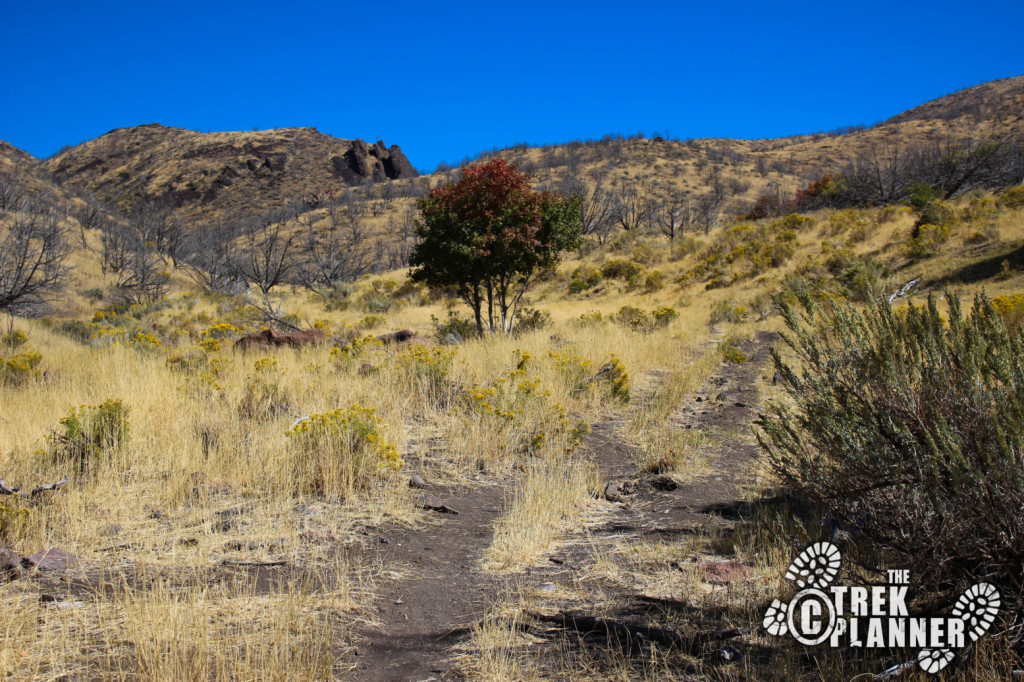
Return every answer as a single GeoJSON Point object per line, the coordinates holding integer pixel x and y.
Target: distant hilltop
{"type": "Point", "coordinates": [208, 174]}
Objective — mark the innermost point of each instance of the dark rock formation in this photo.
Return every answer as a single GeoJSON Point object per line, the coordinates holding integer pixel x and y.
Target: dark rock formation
{"type": "Point", "coordinates": [271, 338]}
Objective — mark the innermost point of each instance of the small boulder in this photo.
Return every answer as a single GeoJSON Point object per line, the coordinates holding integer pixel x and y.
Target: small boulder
{"type": "Point", "coordinates": [434, 503]}
{"type": "Point", "coordinates": [53, 559]}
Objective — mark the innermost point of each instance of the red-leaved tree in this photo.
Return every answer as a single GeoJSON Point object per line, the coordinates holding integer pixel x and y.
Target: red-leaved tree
{"type": "Point", "coordinates": [488, 235]}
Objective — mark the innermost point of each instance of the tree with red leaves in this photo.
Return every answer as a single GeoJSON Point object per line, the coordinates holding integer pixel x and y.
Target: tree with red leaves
{"type": "Point", "coordinates": [487, 236]}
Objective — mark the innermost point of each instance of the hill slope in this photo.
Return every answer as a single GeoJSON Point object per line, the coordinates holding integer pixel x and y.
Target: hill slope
{"type": "Point", "coordinates": [209, 174]}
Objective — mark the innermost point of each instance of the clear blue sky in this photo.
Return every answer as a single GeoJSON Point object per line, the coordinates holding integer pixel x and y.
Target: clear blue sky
{"type": "Point", "coordinates": [447, 80]}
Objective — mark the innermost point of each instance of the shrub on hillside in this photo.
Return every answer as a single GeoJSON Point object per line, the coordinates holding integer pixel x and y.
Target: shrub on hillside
{"type": "Point", "coordinates": [455, 327]}
{"type": "Point", "coordinates": [909, 427]}
{"type": "Point", "coordinates": [639, 321]}
{"type": "Point", "coordinates": [531, 319]}
{"type": "Point", "coordinates": [584, 277]}
{"type": "Point", "coordinates": [336, 453]}
{"type": "Point", "coordinates": [625, 270]}
{"type": "Point", "coordinates": [1013, 198]}
{"type": "Point", "coordinates": [87, 432]}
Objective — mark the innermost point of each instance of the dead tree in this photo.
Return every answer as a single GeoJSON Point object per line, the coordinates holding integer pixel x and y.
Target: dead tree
{"type": "Point", "coordinates": [158, 226]}
{"type": "Point", "coordinates": [11, 192]}
{"type": "Point", "coordinates": [674, 214]}
{"type": "Point", "coordinates": [266, 257]}
{"type": "Point", "coordinates": [34, 267]}
{"type": "Point", "coordinates": [632, 208]}
{"type": "Point", "coordinates": [335, 252]}
{"type": "Point", "coordinates": [211, 258]}
{"type": "Point", "coordinates": [597, 206]}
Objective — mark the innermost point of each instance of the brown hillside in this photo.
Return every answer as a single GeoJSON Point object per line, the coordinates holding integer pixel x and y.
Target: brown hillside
{"type": "Point", "coordinates": [227, 173]}
{"type": "Point", "coordinates": [747, 167]}
{"type": "Point", "coordinates": [22, 179]}
{"type": "Point", "coordinates": [1001, 100]}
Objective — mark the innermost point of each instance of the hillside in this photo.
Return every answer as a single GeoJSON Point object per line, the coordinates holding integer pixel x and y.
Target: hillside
{"type": "Point", "coordinates": [746, 168]}
{"type": "Point", "coordinates": [207, 175]}
{"type": "Point", "coordinates": [998, 101]}
{"type": "Point", "coordinates": [580, 499]}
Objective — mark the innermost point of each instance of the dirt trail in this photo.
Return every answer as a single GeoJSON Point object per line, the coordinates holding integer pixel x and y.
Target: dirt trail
{"type": "Point", "coordinates": [434, 590]}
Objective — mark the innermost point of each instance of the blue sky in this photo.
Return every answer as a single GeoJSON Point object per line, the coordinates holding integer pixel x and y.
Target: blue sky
{"type": "Point", "coordinates": [447, 80]}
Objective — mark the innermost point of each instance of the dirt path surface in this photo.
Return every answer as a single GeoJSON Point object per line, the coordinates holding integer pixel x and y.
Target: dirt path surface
{"type": "Point", "coordinates": [434, 590]}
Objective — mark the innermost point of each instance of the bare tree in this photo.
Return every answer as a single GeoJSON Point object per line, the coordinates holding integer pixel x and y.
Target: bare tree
{"type": "Point", "coordinates": [674, 214]}
{"type": "Point", "coordinates": [597, 206]}
{"type": "Point", "coordinates": [143, 278]}
{"type": "Point", "coordinates": [90, 216]}
{"type": "Point", "coordinates": [11, 192]}
{"type": "Point", "coordinates": [632, 208]}
{"type": "Point", "coordinates": [118, 243]}
{"type": "Point", "coordinates": [266, 256]}
{"type": "Point", "coordinates": [707, 208]}
{"type": "Point", "coordinates": [34, 249]}
{"type": "Point", "coordinates": [403, 238]}
{"type": "Point", "coordinates": [211, 258]}
{"type": "Point", "coordinates": [335, 252]}
{"type": "Point", "coordinates": [157, 225]}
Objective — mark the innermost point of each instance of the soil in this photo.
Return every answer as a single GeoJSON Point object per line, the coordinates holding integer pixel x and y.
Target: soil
{"type": "Point", "coordinates": [437, 591]}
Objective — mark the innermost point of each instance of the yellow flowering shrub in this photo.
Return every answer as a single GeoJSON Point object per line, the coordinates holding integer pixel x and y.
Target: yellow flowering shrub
{"type": "Point", "coordinates": [427, 370]}
{"type": "Point", "coordinates": [520, 411]}
{"type": "Point", "coordinates": [17, 369]}
{"type": "Point", "coordinates": [12, 518]}
{"type": "Point", "coordinates": [223, 330]}
{"type": "Point", "coordinates": [1011, 308]}
{"type": "Point", "coordinates": [336, 453]}
{"type": "Point", "coordinates": [89, 431]}
{"type": "Point", "coordinates": [14, 339]}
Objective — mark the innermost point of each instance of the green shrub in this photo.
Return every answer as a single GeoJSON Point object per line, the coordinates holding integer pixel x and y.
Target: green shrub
{"type": "Point", "coordinates": [89, 431]}
{"type": "Point", "coordinates": [654, 281]}
{"type": "Point", "coordinates": [77, 330]}
{"type": "Point", "coordinates": [591, 319]}
{"type": "Point", "coordinates": [529, 319]}
{"type": "Point", "coordinates": [335, 298]}
{"type": "Point", "coordinates": [725, 311]}
{"type": "Point", "coordinates": [640, 321]}
{"type": "Point", "coordinates": [925, 241]}
{"type": "Point", "coordinates": [625, 270]}
{"type": "Point", "coordinates": [371, 322]}
{"type": "Point", "coordinates": [663, 316]}
{"type": "Point", "coordinates": [584, 277]}
{"type": "Point", "coordinates": [632, 317]}
{"type": "Point", "coordinates": [94, 294]}
{"type": "Point", "coordinates": [461, 327]}
{"type": "Point", "coordinates": [336, 453]}
{"type": "Point", "coordinates": [909, 427]}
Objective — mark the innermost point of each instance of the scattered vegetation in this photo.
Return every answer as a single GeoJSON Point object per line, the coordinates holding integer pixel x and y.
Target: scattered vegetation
{"type": "Point", "coordinates": [906, 427]}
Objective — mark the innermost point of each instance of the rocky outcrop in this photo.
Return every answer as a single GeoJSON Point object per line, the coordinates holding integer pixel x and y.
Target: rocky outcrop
{"type": "Point", "coordinates": [271, 338]}
{"type": "Point", "coordinates": [377, 161]}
